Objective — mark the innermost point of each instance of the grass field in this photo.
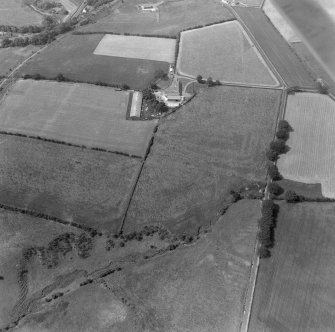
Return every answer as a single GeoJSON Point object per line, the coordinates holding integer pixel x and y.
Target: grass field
{"type": "Point", "coordinates": [225, 53]}
{"type": "Point", "coordinates": [80, 185]}
{"type": "Point", "coordinates": [19, 231]}
{"type": "Point", "coordinates": [173, 16]}
{"type": "Point", "coordinates": [13, 56]}
{"type": "Point", "coordinates": [279, 22]}
{"type": "Point", "coordinates": [295, 287]}
{"type": "Point", "coordinates": [311, 157]}
{"type": "Point", "coordinates": [214, 143]}
{"type": "Point", "coordinates": [14, 12]}
{"type": "Point", "coordinates": [73, 57]}
{"type": "Point", "coordinates": [147, 48]}
{"type": "Point", "coordinates": [276, 48]}
{"type": "Point", "coordinates": [83, 114]}
{"type": "Point", "coordinates": [192, 289]}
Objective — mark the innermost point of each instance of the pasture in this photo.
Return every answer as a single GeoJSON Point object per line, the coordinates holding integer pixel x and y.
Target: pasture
{"type": "Point", "coordinates": [282, 57]}
{"type": "Point", "coordinates": [79, 185]}
{"type": "Point", "coordinates": [280, 22]}
{"type": "Point", "coordinates": [12, 56]}
{"type": "Point", "coordinates": [171, 18]}
{"type": "Point", "coordinates": [73, 57]}
{"type": "Point", "coordinates": [82, 114]}
{"type": "Point", "coordinates": [159, 294]}
{"type": "Point", "coordinates": [311, 156]}
{"type": "Point", "coordinates": [17, 232]}
{"type": "Point", "coordinates": [214, 143]}
{"type": "Point", "coordinates": [15, 12]}
{"type": "Point", "coordinates": [225, 53]}
{"type": "Point", "coordinates": [147, 48]}
{"type": "Point", "coordinates": [295, 287]}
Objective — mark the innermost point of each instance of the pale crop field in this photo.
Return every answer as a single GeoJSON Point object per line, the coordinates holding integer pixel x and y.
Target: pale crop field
{"type": "Point", "coordinates": [225, 52]}
{"type": "Point", "coordinates": [147, 48]}
{"type": "Point", "coordinates": [311, 157]}
{"type": "Point", "coordinates": [77, 113]}
{"type": "Point", "coordinates": [15, 12]}
{"type": "Point", "coordinates": [279, 22]}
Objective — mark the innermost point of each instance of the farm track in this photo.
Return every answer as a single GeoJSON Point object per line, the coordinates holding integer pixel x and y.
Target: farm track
{"type": "Point", "coordinates": [286, 63]}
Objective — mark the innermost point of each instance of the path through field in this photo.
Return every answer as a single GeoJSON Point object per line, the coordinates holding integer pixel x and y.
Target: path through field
{"type": "Point", "coordinates": [312, 157]}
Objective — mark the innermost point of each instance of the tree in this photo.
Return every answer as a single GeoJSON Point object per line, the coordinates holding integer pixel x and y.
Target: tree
{"type": "Point", "coordinates": [210, 82]}
{"type": "Point", "coordinates": [273, 172]}
{"type": "Point", "coordinates": [282, 134]}
{"type": "Point", "coordinates": [279, 146]}
{"type": "Point", "coordinates": [283, 124]}
{"type": "Point", "coordinates": [199, 79]}
{"type": "Point", "coordinates": [275, 188]}
{"type": "Point", "coordinates": [263, 252]}
{"type": "Point", "coordinates": [272, 155]}
{"type": "Point", "coordinates": [291, 196]}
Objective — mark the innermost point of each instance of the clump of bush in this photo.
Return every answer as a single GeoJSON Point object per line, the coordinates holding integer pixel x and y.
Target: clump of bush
{"type": "Point", "coordinates": [275, 189]}
{"type": "Point", "coordinates": [292, 197]}
{"type": "Point", "coordinates": [266, 226]}
{"type": "Point", "coordinates": [274, 172]}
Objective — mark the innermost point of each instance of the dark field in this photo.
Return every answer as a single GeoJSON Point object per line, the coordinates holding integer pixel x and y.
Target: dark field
{"type": "Point", "coordinates": [295, 288]}
{"type": "Point", "coordinates": [173, 16]}
{"type": "Point", "coordinates": [215, 143]}
{"type": "Point", "coordinates": [195, 288]}
{"type": "Point", "coordinates": [276, 48]}
{"type": "Point", "coordinates": [73, 57]}
{"type": "Point", "coordinates": [80, 185]}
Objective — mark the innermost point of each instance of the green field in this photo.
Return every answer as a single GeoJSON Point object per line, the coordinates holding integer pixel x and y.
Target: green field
{"type": "Point", "coordinates": [225, 53]}
{"type": "Point", "coordinates": [73, 57]}
{"type": "Point", "coordinates": [214, 143]}
{"type": "Point", "coordinates": [295, 287]}
{"type": "Point", "coordinates": [200, 287]}
{"type": "Point", "coordinates": [80, 185]}
{"type": "Point", "coordinates": [82, 114]}
{"type": "Point", "coordinates": [15, 12]}
{"type": "Point", "coordinates": [173, 16]}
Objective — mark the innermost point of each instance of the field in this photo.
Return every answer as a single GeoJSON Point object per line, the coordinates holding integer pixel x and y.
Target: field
{"type": "Point", "coordinates": [80, 185]}
{"type": "Point", "coordinates": [286, 62]}
{"type": "Point", "coordinates": [83, 114]}
{"type": "Point", "coordinates": [214, 143]}
{"type": "Point", "coordinates": [225, 53]}
{"type": "Point", "coordinates": [311, 156]}
{"type": "Point", "coordinates": [14, 12]}
{"type": "Point", "coordinates": [279, 22]}
{"type": "Point", "coordinates": [196, 288]}
{"type": "Point", "coordinates": [295, 287]}
{"type": "Point", "coordinates": [173, 16]}
{"type": "Point", "coordinates": [73, 57]}
{"type": "Point", "coordinates": [19, 231]}
{"type": "Point", "coordinates": [313, 65]}
{"type": "Point", "coordinates": [13, 56]}
{"type": "Point", "coordinates": [147, 48]}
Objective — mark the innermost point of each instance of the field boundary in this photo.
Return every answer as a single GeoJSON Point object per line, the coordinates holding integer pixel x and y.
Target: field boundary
{"type": "Point", "coordinates": [47, 217]}
{"type": "Point", "coordinates": [51, 140]}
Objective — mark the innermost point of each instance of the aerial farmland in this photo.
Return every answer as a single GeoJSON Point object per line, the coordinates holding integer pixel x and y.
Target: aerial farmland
{"type": "Point", "coordinates": [160, 171]}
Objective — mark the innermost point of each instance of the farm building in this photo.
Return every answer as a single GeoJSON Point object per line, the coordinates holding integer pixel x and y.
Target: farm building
{"type": "Point", "coordinates": [148, 7]}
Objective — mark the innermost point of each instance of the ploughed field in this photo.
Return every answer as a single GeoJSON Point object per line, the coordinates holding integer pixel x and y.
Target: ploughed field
{"type": "Point", "coordinates": [282, 57]}
{"type": "Point", "coordinates": [225, 53]}
{"type": "Point", "coordinates": [295, 287]}
{"type": "Point", "coordinates": [15, 12]}
{"type": "Point", "coordinates": [172, 17]}
{"type": "Point", "coordinates": [74, 57]}
{"type": "Point", "coordinates": [199, 287]}
{"type": "Point", "coordinates": [77, 185]}
{"type": "Point", "coordinates": [82, 114]}
{"type": "Point", "coordinates": [311, 157]}
{"type": "Point", "coordinates": [214, 143]}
